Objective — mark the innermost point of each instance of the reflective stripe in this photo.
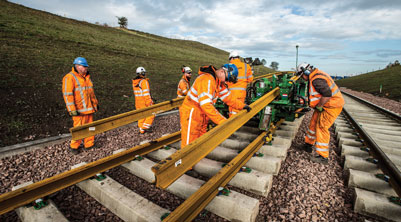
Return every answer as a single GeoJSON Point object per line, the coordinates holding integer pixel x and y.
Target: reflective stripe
{"type": "Point", "coordinates": [84, 110]}
{"type": "Point", "coordinates": [314, 99]}
{"type": "Point", "coordinates": [68, 93]}
{"type": "Point", "coordinates": [237, 88]}
{"type": "Point", "coordinates": [189, 125]}
{"type": "Point", "coordinates": [205, 94]}
{"type": "Point", "coordinates": [246, 67]}
{"type": "Point", "coordinates": [193, 97]}
{"type": "Point", "coordinates": [208, 88]}
{"type": "Point", "coordinates": [323, 150]}
{"type": "Point", "coordinates": [80, 91]}
{"type": "Point", "coordinates": [145, 90]}
{"type": "Point", "coordinates": [146, 94]}
{"type": "Point", "coordinates": [242, 77]}
{"type": "Point", "coordinates": [250, 76]}
{"type": "Point", "coordinates": [194, 91]}
{"type": "Point", "coordinates": [322, 144]}
{"type": "Point", "coordinates": [224, 91]}
{"type": "Point", "coordinates": [83, 88]}
{"type": "Point", "coordinates": [335, 92]}
{"type": "Point", "coordinates": [203, 102]}
{"type": "Point", "coordinates": [180, 96]}
{"type": "Point", "coordinates": [136, 91]}
{"type": "Point", "coordinates": [311, 131]}
{"type": "Point", "coordinates": [70, 104]}
{"type": "Point", "coordinates": [185, 91]}
{"type": "Point", "coordinates": [232, 112]}
{"type": "Point", "coordinates": [310, 137]}
{"type": "Point", "coordinates": [225, 96]}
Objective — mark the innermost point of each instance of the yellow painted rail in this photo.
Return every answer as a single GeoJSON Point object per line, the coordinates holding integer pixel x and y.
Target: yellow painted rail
{"type": "Point", "coordinates": [178, 163]}
{"type": "Point", "coordinates": [122, 119]}
{"type": "Point", "coordinates": [30, 193]}
{"type": "Point", "coordinates": [192, 206]}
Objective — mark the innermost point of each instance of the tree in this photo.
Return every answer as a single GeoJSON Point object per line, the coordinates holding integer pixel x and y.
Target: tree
{"type": "Point", "coordinates": [264, 62]}
{"type": "Point", "coordinates": [122, 21]}
{"type": "Point", "coordinates": [274, 66]}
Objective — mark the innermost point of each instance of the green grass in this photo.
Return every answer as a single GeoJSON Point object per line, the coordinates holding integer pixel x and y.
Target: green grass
{"type": "Point", "coordinates": [390, 79]}
{"type": "Point", "coordinates": [37, 50]}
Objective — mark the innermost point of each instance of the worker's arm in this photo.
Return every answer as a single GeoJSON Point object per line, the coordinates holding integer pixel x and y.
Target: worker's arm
{"type": "Point", "coordinates": [182, 89]}
{"type": "Point", "coordinates": [228, 99]}
{"type": "Point", "coordinates": [206, 101]}
{"type": "Point", "coordinates": [94, 100]}
{"type": "Point", "coordinates": [68, 92]}
{"type": "Point", "coordinates": [323, 89]}
{"type": "Point", "coordinates": [146, 92]}
{"type": "Point", "coordinates": [249, 73]}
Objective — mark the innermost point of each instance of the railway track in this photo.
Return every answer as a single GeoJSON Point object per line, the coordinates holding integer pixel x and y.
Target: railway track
{"type": "Point", "coordinates": [370, 138]}
{"type": "Point", "coordinates": [256, 178]}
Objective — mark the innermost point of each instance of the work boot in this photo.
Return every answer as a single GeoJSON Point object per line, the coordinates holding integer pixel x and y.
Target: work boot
{"type": "Point", "coordinates": [307, 147]}
{"type": "Point", "coordinates": [319, 159]}
{"type": "Point", "coordinates": [74, 151]}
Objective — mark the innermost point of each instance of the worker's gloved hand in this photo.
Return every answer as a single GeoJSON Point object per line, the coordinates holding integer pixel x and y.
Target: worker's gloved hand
{"type": "Point", "coordinates": [248, 108]}
{"type": "Point", "coordinates": [74, 113]}
{"type": "Point", "coordinates": [319, 108]}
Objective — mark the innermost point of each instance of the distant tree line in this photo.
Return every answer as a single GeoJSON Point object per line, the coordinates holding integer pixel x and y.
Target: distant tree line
{"type": "Point", "coordinates": [396, 63]}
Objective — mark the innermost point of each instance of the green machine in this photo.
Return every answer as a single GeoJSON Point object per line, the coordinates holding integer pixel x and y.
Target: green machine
{"type": "Point", "coordinates": [289, 105]}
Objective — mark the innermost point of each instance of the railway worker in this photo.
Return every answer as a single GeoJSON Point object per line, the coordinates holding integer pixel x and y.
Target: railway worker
{"type": "Point", "coordinates": [245, 76]}
{"type": "Point", "coordinates": [141, 88]}
{"type": "Point", "coordinates": [80, 100]}
{"type": "Point", "coordinates": [326, 99]}
{"type": "Point", "coordinates": [198, 106]}
{"type": "Point", "coordinates": [183, 85]}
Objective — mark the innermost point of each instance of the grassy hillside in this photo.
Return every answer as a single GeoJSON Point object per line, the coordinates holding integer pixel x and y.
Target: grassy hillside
{"type": "Point", "coordinates": [37, 50]}
{"type": "Point", "coordinates": [370, 82]}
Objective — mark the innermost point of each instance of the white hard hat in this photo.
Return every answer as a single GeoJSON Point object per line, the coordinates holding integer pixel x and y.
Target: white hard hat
{"type": "Point", "coordinates": [187, 69]}
{"type": "Point", "coordinates": [140, 71]}
{"type": "Point", "coordinates": [303, 68]}
{"type": "Point", "coordinates": [233, 54]}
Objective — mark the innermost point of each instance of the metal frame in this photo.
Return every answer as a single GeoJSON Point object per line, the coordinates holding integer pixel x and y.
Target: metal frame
{"type": "Point", "coordinates": [384, 162]}
{"type": "Point", "coordinates": [113, 122]}
{"type": "Point", "coordinates": [169, 170]}
{"type": "Point", "coordinates": [26, 195]}
{"type": "Point", "coordinates": [191, 207]}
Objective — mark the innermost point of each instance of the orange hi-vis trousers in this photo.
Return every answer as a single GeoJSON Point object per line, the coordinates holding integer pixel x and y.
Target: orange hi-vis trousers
{"type": "Point", "coordinates": [79, 121]}
{"type": "Point", "coordinates": [318, 133]}
{"type": "Point", "coordinates": [145, 124]}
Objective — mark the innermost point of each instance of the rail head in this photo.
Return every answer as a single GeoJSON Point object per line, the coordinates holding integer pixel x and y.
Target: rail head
{"type": "Point", "coordinates": [385, 164]}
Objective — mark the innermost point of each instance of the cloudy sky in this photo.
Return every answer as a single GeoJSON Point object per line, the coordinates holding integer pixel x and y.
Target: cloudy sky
{"type": "Point", "coordinates": [341, 37]}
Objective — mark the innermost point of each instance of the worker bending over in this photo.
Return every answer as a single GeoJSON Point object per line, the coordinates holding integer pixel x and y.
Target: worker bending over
{"type": "Point", "coordinates": [326, 98]}
{"type": "Point", "coordinates": [198, 106]}
{"type": "Point", "coordinates": [80, 100]}
{"type": "Point", "coordinates": [245, 76]}
{"type": "Point", "coordinates": [183, 85]}
{"type": "Point", "coordinates": [140, 84]}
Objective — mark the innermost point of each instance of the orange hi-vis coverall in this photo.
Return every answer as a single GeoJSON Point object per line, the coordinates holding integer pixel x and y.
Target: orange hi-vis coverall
{"type": "Point", "coordinates": [79, 96]}
{"type": "Point", "coordinates": [318, 133]}
{"type": "Point", "coordinates": [142, 100]}
{"type": "Point", "coordinates": [183, 87]}
{"type": "Point", "coordinates": [198, 106]}
{"type": "Point", "coordinates": [238, 89]}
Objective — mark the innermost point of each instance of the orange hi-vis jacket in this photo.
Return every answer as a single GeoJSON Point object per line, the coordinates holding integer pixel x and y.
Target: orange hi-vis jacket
{"type": "Point", "coordinates": [198, 106]}
{"type": "Point", "coordinates": [142, 93]}
{"type": "Point", "coordinates": [78, 93]}
{"type": "Point", "coordinates": [245, 76]}
{"type": "Point", "coordinates": [336, 99]}
{"type": "Point", "coordinates": [183, 87]}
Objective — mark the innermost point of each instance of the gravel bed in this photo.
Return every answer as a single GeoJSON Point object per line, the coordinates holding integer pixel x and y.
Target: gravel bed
{"type": "Point", "coordinates": [380, 101]}
{"type": "Point", "coordinates": [49, 161]}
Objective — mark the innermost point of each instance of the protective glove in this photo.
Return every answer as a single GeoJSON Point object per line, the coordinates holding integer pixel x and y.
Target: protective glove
{"type": "Point", "coordinates": [319, 108]}
{"type": "Point", "coordinates": [74, 113]}
{"type": "Point", "coordinates": [248, 108]}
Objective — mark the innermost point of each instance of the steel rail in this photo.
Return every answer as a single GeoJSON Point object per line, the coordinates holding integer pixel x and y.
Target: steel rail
{"type": "Point", "coordinates": [192, 206]}
{"type": "Point", "coordinates": [269, 75]}
{"type": "Point", "coordinates": [170, 169]}
{"type": "Point", "coordinates": [122, 119]}
{"type": "Point", "coordinates": [25, 195]}
{"type": "Point", "coordinates": [386, 112]}
{"type": "Point", "coordinates": [385, 164]}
